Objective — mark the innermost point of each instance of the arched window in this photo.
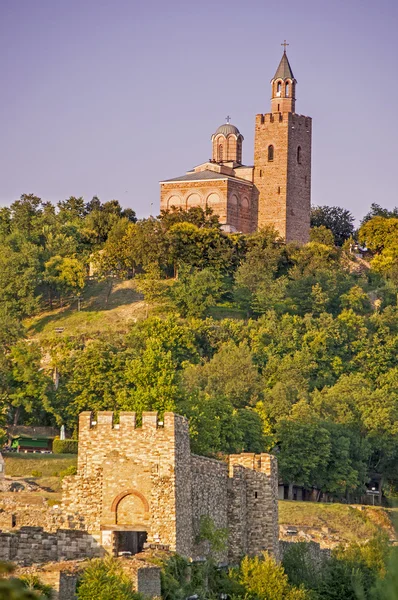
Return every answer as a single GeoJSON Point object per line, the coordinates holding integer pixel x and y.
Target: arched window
{"type": "Point", "coordinates": [299, 155]}
{"type": "Point", "coordinates": [287, 89]}
{"type": "Point", "coordinates": [278, 88]}
{"type": "Point", "coordinates": [220, 153]}
{"type": "Point", "coordinates": [270, 153]}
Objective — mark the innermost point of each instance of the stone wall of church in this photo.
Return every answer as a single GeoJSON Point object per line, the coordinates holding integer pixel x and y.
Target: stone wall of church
{"type": "Point", "coordinates": [240, 206]}
{"type": "Point", "coordinates": [211, 193]}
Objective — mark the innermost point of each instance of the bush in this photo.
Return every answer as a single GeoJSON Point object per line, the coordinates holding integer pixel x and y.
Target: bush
{"type": "Point", "coordinates": [105, 579]}
{"type": "Point", "coordinates": [72, 470]}
{"type": "Point", "coordinates": [36, 473]}
{"type": "Point", "coordinates": [65, 446]}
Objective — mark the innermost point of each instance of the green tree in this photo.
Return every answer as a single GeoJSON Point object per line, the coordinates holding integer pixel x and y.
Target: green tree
{"type": "Point", "coordinates": [322, 235]}
{"type": "Point", "coordinates": [230, 373]}
{"type": "Point", "coordinates": [196, 291]}
{"type": "Point", "coordinates": [64, 275]}
{"type": "Point", "coordinates": [339, 220]}
{"type": "Point", "coordinates": [105, 579]}
{"type": "Point", "coordinates": [12, 588]}
{"type": "Point", "coordinates": [264, 579]}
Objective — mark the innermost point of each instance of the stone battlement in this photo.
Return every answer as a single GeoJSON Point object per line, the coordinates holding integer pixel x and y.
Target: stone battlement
{"type": "Point", "coordinates": [128, 421]}
{"type": "Point", "coordinates": [283, 117]}
{"type": "Point", "coordinates": [135, 483]}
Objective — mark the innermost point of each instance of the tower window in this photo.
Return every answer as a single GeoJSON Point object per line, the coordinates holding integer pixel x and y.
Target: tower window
{"type": "Point", "coordinates": [299, 155]}
{"type": "Point", "coordinates": [270, 153]}
{"type": "Point", "coordinates": [278, 88]}
{"type": "Point", "coordinates": [279, 189]}
{"type": "Point", "coordinates": [220, 153]}
{"type": "Point", "coordinates": [287, 89]}
{"type": "Point", "coordinates": [279, 107]}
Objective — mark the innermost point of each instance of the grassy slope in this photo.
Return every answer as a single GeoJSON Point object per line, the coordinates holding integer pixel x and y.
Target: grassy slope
{"type": "Point", "coordinates": [347, 523]}
{"type": "Point", "coordinates": [49, 465]}
{"type": "Point", "coordinates": [97, 315]}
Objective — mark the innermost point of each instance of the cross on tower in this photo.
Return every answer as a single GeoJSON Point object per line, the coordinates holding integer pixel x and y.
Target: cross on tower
{"type": "Point", "coordinates": [284, 45]}
{"type": "Point", "coordinates": [228, 118]}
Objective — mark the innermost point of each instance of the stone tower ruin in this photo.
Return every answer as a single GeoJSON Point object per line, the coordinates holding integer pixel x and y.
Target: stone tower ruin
{"type": "Point", "coordinates": [141, 485]}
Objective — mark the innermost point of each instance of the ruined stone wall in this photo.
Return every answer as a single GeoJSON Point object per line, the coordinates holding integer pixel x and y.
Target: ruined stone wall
{"type": "Point", "coordinates": [31, 545]}
{"type": "Point", "coordinates": [209, 496]}
{"type": "Point", "coordinates": [260, 505]}
{"type": "Point", "coordinates": [134, 477]}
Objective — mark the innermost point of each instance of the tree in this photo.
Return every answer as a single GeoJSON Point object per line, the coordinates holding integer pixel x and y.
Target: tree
{"type": "Point", "coordinates": [195, 291]}
{"type": "Point", "coordinates": [322, 235]}
{"type": "Point", "coordinates": [377, 211]}
{"type": "Point", "coordinates": [12, 588]}
{"type": "Point", "coordinates": [379, 233]}
{"type": "Point", "coordinates": [29, 386]}
{"type": "Point", "coordinates": [264, 579]}
{"type": "Point", "coordinates": [153, 381]}
{"type": "Point", "coordinates": [64, 275]}
{"type": "Point", "coordinates": [231, 374]}
{"type": "Point", "coordinates": [105, 579]}
{"type": "Point", "coordinates": [304, 451]}
{"type": "Point", "coordinates": [339, 220]}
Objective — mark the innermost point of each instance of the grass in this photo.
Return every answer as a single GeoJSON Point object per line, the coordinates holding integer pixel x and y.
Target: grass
{"type": "Point", "coordinates": [346, 522]}
{"type": "Point", "coordinates": [48, 465]}
{"type": "Point", "coordinates": [99, 313]}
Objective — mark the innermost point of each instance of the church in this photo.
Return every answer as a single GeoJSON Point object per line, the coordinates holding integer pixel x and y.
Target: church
{"type": "Point", "coordinates": [276, 190]}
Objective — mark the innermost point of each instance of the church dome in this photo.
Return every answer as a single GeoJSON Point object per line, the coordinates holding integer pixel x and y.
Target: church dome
{"type": "Point", "coordinates": [226, 129]}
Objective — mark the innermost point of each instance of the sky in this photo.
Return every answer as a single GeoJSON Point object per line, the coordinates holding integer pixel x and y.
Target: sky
{"type": "Point", "coordinates": [110, 97]}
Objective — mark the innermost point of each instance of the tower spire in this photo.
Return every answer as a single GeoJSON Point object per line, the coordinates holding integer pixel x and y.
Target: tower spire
{"type": "Point", "coordinates": [283, 86]}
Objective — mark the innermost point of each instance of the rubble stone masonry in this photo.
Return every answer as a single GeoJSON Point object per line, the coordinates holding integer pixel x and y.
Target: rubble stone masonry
{"type": "Point", "coordinates": [145, 479]}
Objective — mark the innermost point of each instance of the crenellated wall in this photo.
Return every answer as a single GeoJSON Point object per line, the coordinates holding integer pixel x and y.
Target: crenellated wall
{"type": "Point", "coordinates": [145, 479]}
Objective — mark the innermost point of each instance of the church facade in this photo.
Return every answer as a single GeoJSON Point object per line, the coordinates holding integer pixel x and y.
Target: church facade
{"type": "Point", "coordinates": [275, 191]}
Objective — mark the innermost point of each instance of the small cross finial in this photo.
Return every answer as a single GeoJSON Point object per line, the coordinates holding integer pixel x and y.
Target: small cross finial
{"type": "Point", "coordinates": [228, 118]}
{"type": "Point", "coordinates": [284, 45]}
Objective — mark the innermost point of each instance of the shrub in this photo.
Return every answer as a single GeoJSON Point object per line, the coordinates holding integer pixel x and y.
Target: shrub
{"type": "Point", "coordinates": [72, 470]}
{"type": "Point", "coordinates": [65, 446]}
{"type": "Point", "coordinates": [105, 579]}
{"type": "Point", "coordinates": [36, 473]}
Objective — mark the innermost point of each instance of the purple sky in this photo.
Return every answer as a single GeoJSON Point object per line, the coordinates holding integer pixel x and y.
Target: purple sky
{"type": "Point", "coordinates": [110, 97]}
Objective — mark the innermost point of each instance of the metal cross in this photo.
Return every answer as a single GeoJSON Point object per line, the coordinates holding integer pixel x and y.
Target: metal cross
{"type": "Point", "coordinates": [284, 45]}
{"type": "Point", "coordinates": [228, 118]}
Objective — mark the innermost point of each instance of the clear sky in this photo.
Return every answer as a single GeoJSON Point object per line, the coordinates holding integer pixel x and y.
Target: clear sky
{"type": "Point", "coordinates": [109, 97]}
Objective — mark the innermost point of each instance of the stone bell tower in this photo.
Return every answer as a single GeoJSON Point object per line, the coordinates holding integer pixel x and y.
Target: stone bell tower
{"type": "Point", "coordinates": [282, 160]}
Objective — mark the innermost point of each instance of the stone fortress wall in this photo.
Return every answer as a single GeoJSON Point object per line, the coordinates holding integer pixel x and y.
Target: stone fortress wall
{"type": "Point", "coordinates": [145, 479]}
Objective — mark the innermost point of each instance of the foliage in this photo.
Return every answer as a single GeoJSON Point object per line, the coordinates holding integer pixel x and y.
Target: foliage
{"type": "Point", "coordinates": [309, 373]}
{"type": "Point", "coordinates": [27, 588]}
{"type": "Point", "coordinates": [196, 291]}
{"type": "Point", "coordinates": [338, 220]}
{"type": "Point", "coordinates": [264, 579]}
{"type": "Point", "coordinates": [65, 446]}
{"type": "Point", "coordinates": [105, 579]}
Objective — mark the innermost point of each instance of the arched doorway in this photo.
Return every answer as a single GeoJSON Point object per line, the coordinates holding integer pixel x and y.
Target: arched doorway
{"type": "Point", "coordinates": [132, 516]}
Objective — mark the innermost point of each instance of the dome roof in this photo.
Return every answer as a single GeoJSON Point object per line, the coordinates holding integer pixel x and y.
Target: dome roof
{"type": "Point", "coordinates": [226, 129]}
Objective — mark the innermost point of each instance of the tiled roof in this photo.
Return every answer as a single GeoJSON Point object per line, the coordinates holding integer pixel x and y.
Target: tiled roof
{"type": "Point", "coordinates": [199, 176]}
{"type": "Point", "coordinates": [284, 71]}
